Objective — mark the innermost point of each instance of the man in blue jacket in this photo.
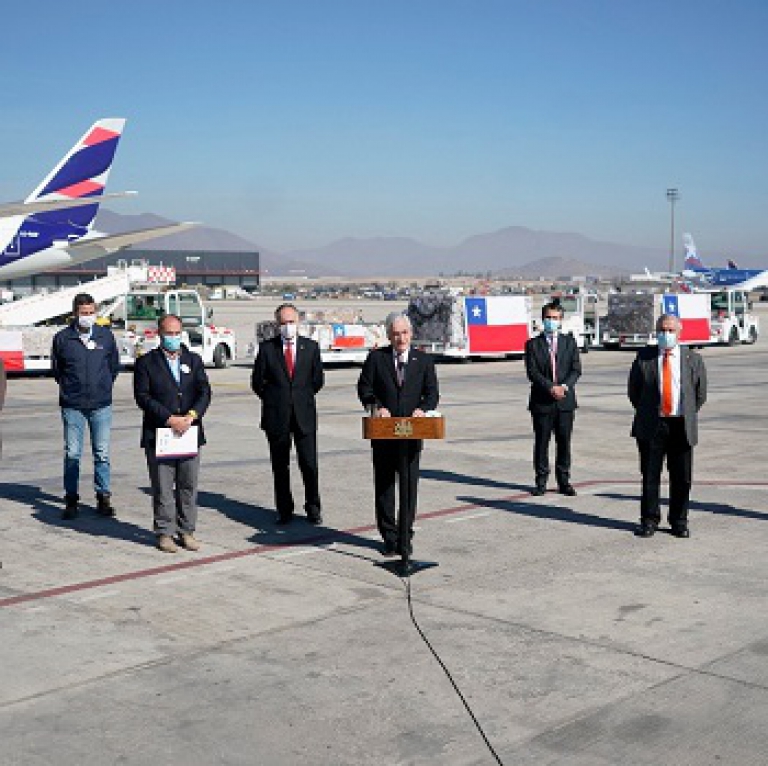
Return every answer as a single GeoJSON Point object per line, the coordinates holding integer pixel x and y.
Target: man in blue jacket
{"type": "Point", "coordinates": [85, 363]}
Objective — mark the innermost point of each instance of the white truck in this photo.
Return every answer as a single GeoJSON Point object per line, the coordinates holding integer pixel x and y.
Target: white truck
{"type": "Point", "coordinates": [707, 318]}
{"type": "Point", "coordinates": [27, 326]}
{"type": "Point", "coordinates": [471, 326]}
{"type": "Point", "coordinates": [580, 318]}
{"type": "Point", "coordinates": [342, 337]}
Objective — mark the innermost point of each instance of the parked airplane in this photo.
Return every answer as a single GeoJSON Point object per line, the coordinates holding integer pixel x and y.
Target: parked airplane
{"type": "Point", "coordinates": [53, 226]}
{"type": "Point", "coordinates": [732, 276]}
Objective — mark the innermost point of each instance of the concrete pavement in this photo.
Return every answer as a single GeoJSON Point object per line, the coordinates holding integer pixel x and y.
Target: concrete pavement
{"type": "Point", "coordinates": [573, 641]}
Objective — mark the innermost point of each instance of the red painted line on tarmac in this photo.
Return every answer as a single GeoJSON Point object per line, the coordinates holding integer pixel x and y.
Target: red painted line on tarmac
{"type": "Point", "coordinates": [328, 536]}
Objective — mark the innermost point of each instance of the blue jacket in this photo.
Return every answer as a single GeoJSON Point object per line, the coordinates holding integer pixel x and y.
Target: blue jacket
{"type": "Point", "coordinates": [85, 375]}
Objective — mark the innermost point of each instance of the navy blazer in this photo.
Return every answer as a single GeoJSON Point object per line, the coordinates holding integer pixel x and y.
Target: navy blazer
{"type": "Point", "coordinates": [283, 397]}
{"type": "Point", "coordinates": [538, 366]}
{"type": "Point", "coordinates": [378, 382]}
{"type": "Point", "coordinates": [160, 396]}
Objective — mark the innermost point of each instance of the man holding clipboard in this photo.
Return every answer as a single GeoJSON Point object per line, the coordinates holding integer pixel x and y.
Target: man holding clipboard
{"type": "Point", "coordinates": [171, 386]}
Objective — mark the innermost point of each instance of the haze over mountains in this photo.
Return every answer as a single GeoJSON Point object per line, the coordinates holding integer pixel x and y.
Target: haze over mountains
{"type": "Point", "coordinates": [512, 251]}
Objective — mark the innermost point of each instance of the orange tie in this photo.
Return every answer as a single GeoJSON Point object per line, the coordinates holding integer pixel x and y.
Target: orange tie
{"type": "Point", "coordinates": [666, 385]}
{"type": "Point", "coordinates": [289, 357]}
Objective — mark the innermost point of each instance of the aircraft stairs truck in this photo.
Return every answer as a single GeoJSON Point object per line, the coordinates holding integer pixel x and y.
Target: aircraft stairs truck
{"type": "Point", "coordinates": [131, 298]}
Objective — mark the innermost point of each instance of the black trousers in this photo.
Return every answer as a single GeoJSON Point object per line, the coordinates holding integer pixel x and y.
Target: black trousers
{"type": "Point", "coordinates": [280, 456]}
{"type": "Point", "coordinates": [670, 442]}
{"type": "Point", "coordinates": [387, 458]}
{"type": "Point", "coordinates": [544, 425]}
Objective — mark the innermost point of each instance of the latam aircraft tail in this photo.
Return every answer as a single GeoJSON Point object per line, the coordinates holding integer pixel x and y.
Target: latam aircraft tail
{"type": "Point", "coordinates": [82, 173]}
{"type": "Point", "coordinates": [692, 260]}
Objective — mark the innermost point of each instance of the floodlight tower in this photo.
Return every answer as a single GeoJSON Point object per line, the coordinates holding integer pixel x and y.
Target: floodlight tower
{"type": "Point", "coordinates": [673, 195]}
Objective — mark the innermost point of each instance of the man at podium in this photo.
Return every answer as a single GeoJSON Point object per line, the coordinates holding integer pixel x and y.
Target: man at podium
{"type": "Point", "coordinates": [396, 381]}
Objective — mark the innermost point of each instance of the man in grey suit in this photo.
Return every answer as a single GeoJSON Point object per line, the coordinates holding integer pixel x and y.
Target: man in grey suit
{"type": "Point", "coordinates": [667, 387]}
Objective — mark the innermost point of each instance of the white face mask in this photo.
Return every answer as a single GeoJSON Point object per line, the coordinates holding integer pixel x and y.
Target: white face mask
{"type": "Point", "coordinates": [289, 330]}
{"type": "Point", "coordinates": [86, 321]}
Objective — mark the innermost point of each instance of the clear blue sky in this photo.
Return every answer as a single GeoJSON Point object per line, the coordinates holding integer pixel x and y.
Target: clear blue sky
{"type": "Point", "coordinates": [295, 123]}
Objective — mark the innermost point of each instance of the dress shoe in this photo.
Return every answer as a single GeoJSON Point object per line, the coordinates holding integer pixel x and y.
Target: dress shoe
{"type": "Point", "coordinates": [70, 511]}
{"type": "Point", "coordinates": [283, 521]}
{"type": "Point", "coordinates": [646, 529]}
{"type": "Point", "coordinates": [188, 541]}
{"type": "Point", "coordinates": [538, 490]}
{"type": "Point", "coordinates": [390, 548]}
{"type": "Point", "coordinates": [315, 518]}
{"type": "Point", "coordinates": [104, 505]}
{"type": "Point", "coordinates": [165, 544]}
{"type": "Point", "coordinates": [682, 532]}
{"type": "Point", "coordinates": [567, 489]}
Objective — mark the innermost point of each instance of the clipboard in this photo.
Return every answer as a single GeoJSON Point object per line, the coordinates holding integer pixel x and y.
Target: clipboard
{"type": "Point", "coordinates": [169, 445]}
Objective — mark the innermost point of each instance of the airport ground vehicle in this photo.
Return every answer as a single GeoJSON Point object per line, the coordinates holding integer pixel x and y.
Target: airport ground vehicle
{"type": "Point", "coordinates": [131, 299]}
{"type": "Point", "coordinates": [580, 318]}
{"type": "Point", "coordinates": [465, 327]}
{"type": "Point", "coordinates": [707, 318]}
{"type": "Point", "coordinates": [343, 336]}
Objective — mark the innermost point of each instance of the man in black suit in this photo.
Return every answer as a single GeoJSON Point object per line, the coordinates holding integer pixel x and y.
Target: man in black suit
{"type": "Point", "coordinates": [287, 374]}
{"type": "Point", "coordinates": [398, 381]}
{"type": "Point", "coordinates": [553, 366]}
{"type": "Point", "coordinates": [667, 387]}
{"type": "Point", "coordinates": [171, 387]}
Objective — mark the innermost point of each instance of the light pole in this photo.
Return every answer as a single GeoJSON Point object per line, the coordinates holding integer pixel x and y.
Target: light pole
{"type": "Point", "coordinates": [673, 195]}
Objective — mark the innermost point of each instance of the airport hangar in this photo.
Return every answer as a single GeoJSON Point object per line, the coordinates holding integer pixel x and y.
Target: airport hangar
{"type": "Point", "coordinates": [210, 268]}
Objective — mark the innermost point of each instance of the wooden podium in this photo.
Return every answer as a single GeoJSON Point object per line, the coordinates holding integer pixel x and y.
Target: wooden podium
{"type": "Point", "coordinates": [404, 430]}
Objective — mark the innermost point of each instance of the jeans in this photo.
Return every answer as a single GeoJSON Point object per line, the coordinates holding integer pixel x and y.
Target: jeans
{"type": "Point", "coordinates": [99, 422]}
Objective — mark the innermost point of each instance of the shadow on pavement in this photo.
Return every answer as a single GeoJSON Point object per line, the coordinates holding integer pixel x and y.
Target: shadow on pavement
{"type": "Point", "coordinates": [461, 478]}
{"type": "Point", "coordinates": [47, 508]}
{"type": "Point", "coordinates": [696, 505]}
{"type": "Point", "coordinates": [264, 521]}
{"type": "Point", "coordinates": [553, 512]}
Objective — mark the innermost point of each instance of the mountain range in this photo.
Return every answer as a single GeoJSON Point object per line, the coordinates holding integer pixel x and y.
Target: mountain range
{"type": "Point", "coordinates": [511, 251]}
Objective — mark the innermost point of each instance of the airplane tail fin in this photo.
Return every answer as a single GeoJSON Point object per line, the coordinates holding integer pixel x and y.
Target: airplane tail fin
{"type": "Point", "coordinates": [732, 264]}
{"type": "Point", "coordinates": [83, 172]}
{"type": "Point", "coordinates": [692, 260]}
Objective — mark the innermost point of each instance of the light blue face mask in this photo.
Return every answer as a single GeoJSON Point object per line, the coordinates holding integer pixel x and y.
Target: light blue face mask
{"type": "Point", "coordinates": [551, 325]}
{"type": "Point", "coordinates": [666, 339]}
{"type": "Point", "coordinates": [171, 343]}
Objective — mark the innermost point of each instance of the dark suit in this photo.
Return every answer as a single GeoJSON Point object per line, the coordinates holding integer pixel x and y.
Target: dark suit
{"type": "Point", "coordinates": [550, 415]}
{"type": "Point", "coordinates": [671, 437]}
{"type": "Point", "coordinates": [160, 396]}
{"type": "Point", "coordinates": [378, 386]}
{"type": "Point", "coordinates": [289, 413]}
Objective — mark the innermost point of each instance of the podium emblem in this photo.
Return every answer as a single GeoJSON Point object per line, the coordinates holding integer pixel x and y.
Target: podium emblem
{"type": "Point", "coordinates": [403, 429]}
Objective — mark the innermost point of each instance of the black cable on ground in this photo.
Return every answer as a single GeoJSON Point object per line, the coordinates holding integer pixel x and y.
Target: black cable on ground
{"type": "Point", "coordinates": [407, 581]}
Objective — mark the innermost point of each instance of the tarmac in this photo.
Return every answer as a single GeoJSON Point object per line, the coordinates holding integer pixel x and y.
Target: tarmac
{"type": "Point", "coordinates": [573, 641]}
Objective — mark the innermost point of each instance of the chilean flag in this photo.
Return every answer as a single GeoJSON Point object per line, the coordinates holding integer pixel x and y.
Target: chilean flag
{"type": "Point", "coordinates": [348, 336]}
{"type": "Point", "coordinates": [694, 314]}
{"type": "Point", "coordinates": [496, 324]}
{"type": "Point", "coordinates": [12, 350]}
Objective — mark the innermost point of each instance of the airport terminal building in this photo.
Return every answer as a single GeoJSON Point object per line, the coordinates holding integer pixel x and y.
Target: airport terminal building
{"type": "Point", "coordinates": [193, 267]}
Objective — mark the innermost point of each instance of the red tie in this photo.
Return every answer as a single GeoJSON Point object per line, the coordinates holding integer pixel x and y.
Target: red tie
{"type": "Point", "coordinates": [666, 384]}
{"type": "Point", "coordinates": [289, 357]}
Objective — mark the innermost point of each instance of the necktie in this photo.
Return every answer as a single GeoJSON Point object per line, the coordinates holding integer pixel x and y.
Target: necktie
{"type": "Point", "coordinates": [400, 371]}
{"type": "Point", "coordinates": [553, 355]}
{"type": "Point", "coordinates": [666, 384]}
{"type": "Point", "coordinates": [289, 362]}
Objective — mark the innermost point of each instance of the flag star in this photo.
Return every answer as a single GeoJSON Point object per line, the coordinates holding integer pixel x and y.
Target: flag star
{"type": "Point", "coordinates": [477, 311]}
